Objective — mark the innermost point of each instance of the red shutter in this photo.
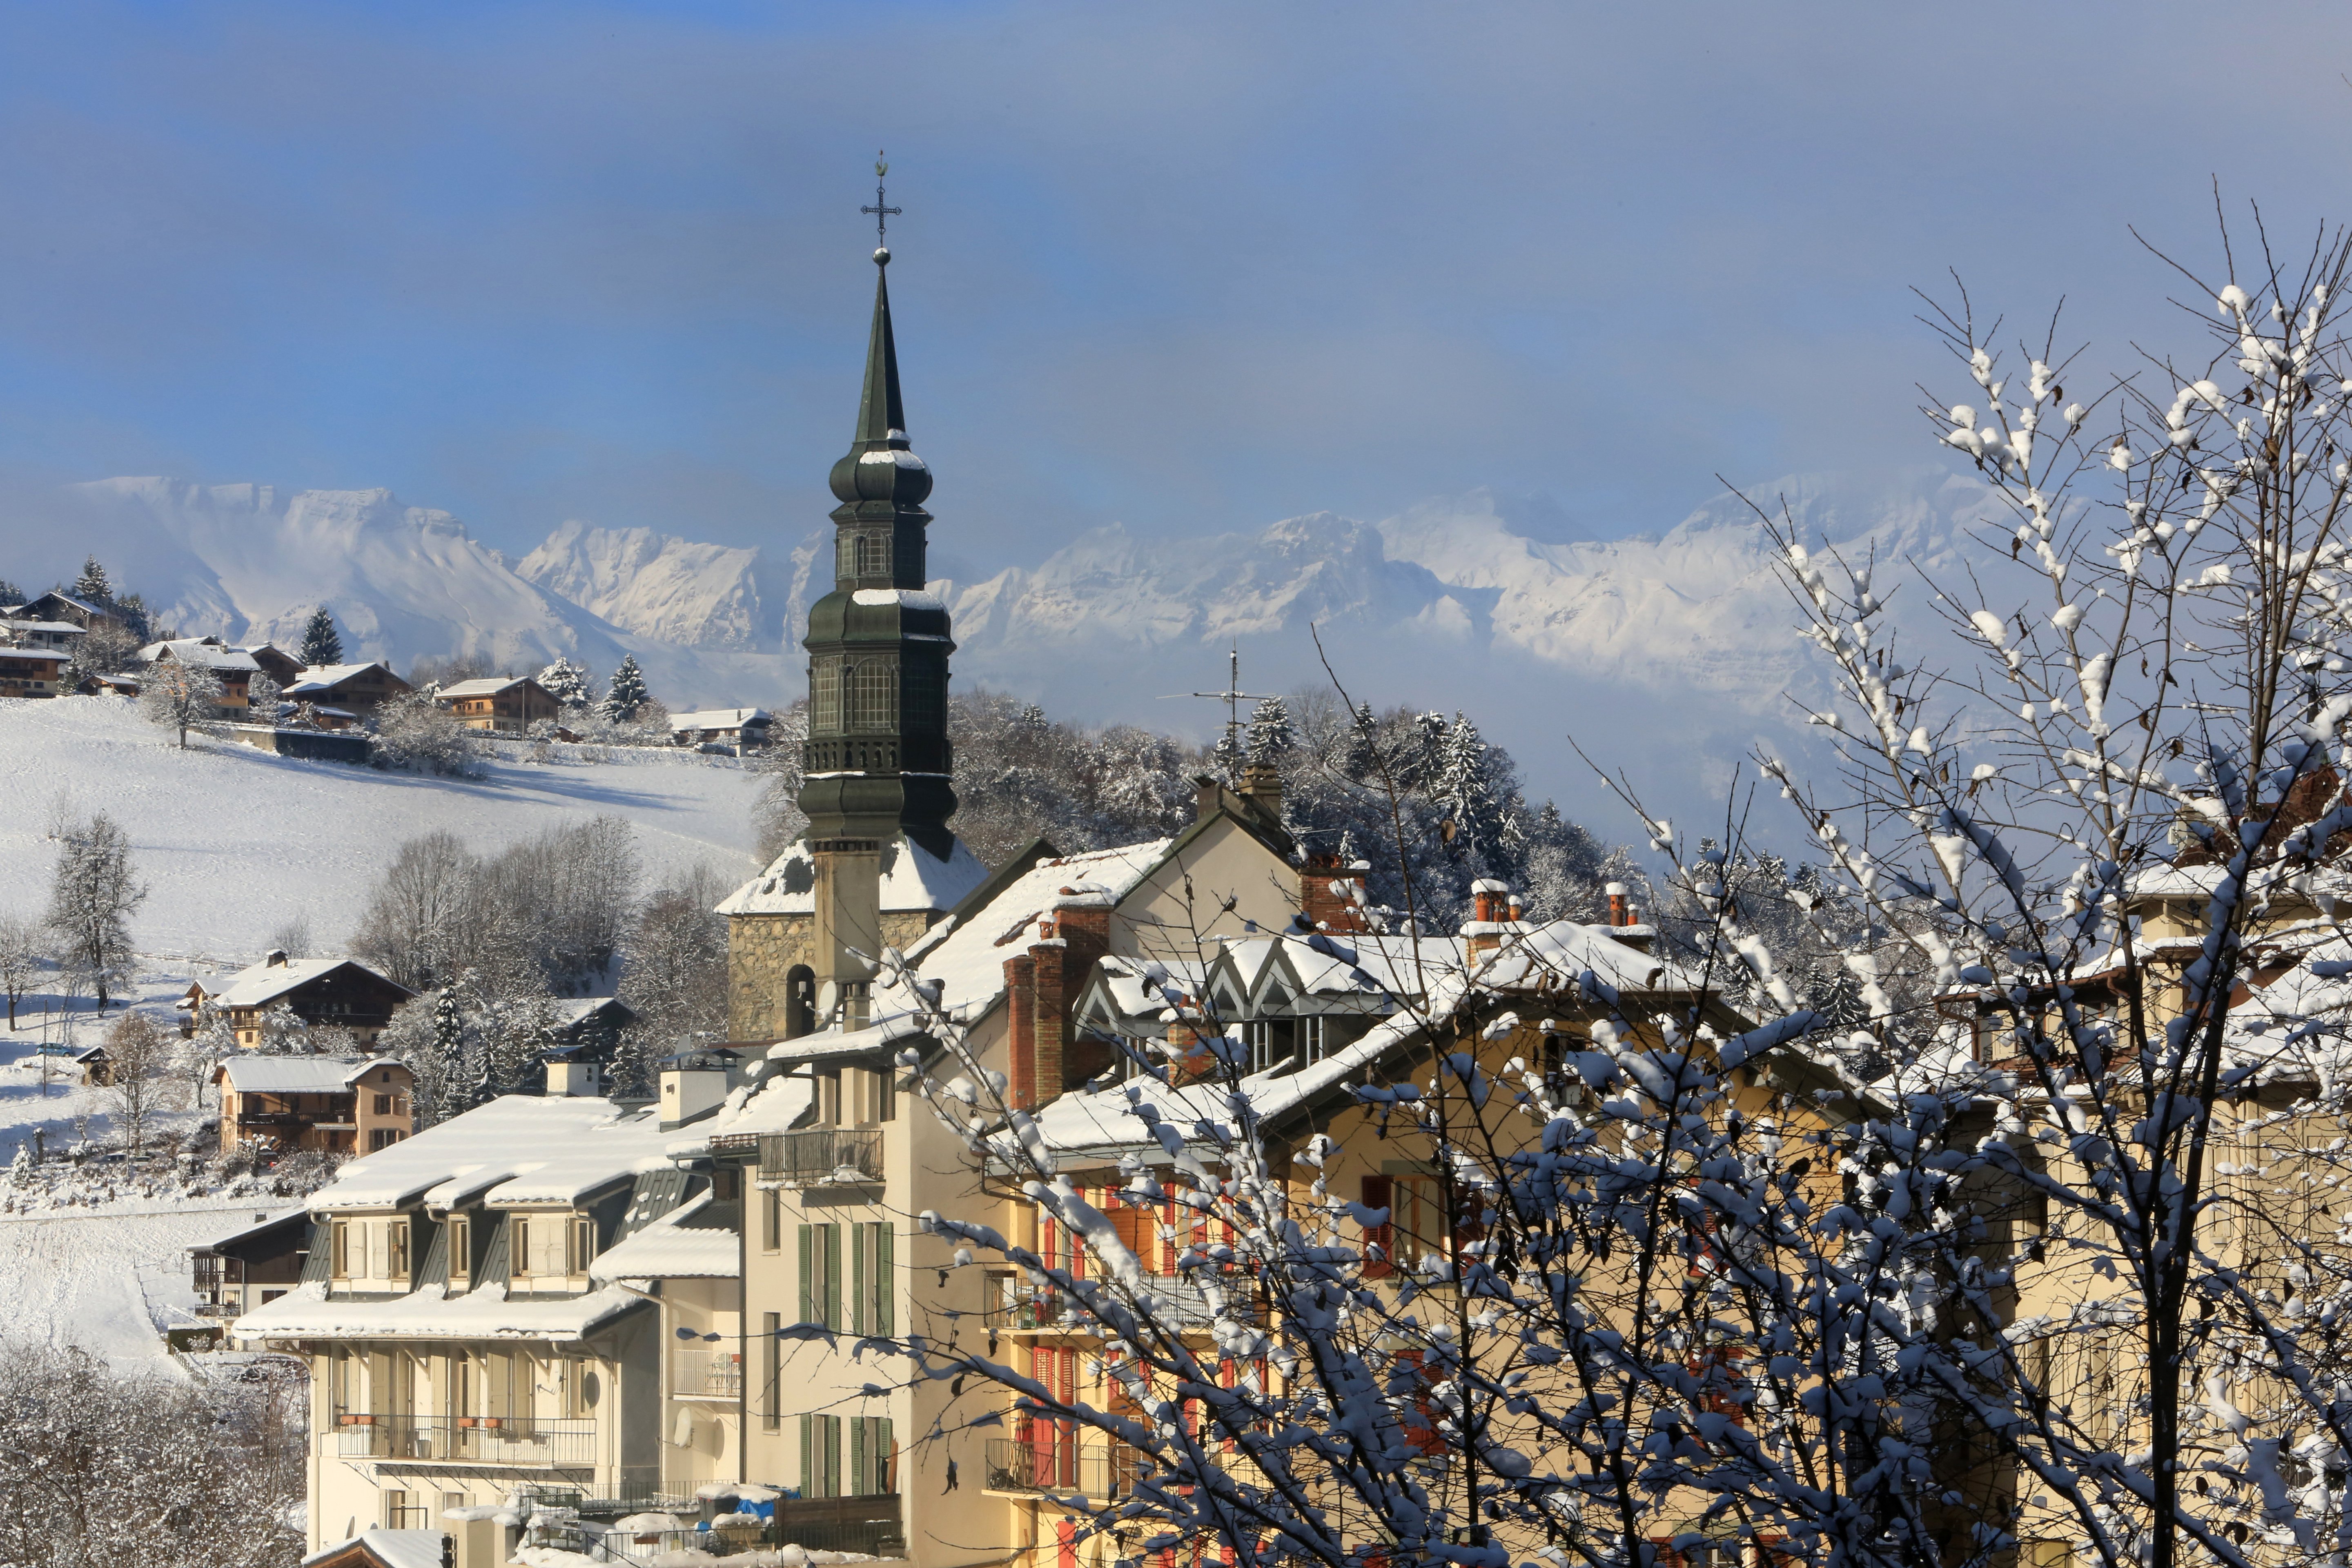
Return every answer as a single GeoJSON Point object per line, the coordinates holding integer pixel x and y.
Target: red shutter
{"type": "Point", "coordinates": [1066, 1538]}
{"type": "Point", "coordinates": [1379, 1193]}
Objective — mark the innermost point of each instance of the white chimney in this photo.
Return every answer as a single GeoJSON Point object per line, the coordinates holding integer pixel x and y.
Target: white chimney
{"type": "Point", "coordinates": [574, 1077]}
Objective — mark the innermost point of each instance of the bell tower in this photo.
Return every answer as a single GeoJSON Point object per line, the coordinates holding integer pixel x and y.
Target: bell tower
{"type": "Point", "coordinates": [876, 767]}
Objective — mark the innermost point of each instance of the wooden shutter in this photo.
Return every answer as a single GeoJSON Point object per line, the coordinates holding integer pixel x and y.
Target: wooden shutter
{"type": "Point", "coordinates": [808, 1450]}
{"type": "Point", "coordinates": [861, 1281]}
{"type": "Point", "coordinates": [885, 1281]}
{"type": "Point", "coordinates": [772, 1220]}
{"type": "Point", "coordinates": [772, 1359]}
{"type": "Point", "coordinates": [831, 1277]}
{"type": "Point", "coordinates": [807, 1278]}
{"type": "Point", "coordinates": [1379, 1193]}
{"type": "Point", "coordinates": [858, 1438]}
{"type": "Point", "coordinates": [886, 1454]}
{"type": "Point", "coordinates": [1133, 1223]}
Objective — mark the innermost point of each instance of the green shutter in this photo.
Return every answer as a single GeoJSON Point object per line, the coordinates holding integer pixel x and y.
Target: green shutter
{"type": "Point", "coordinates": [808, 1280]}
{"type": "Point", "coordinates": [860, 1281]}
{"type": "Point", "coordinates": [885, 1281]}
{"type": "Point", "coordinates": [831, 1277]}
{"type": "Point", "coordinates": [885, 1448]}
{"type": "Point", "coordinates": [808, 1451]}
{"type": "Point", "coordinates": [858, 1457]}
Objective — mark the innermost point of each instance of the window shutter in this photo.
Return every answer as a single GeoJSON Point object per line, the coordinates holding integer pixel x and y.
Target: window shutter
{"type": "Point", "coordinates": [885, 1456]}
{"type": "Point", "coordinates": [861, 1283]}
{"type": "Point", "coordinates": [772, 1220]}
{"type": "Point", "coordinates": [1379, 1193]}
{"type": "Point", "coordinates": [831, 1279]}
{"type": "Point", "coordinates": [518, 1244]}
{"type": "Point", "coordinates": [857, 1487]}
{"type": "Point", "coordinates": [808, 1280]}
{"type": "Point", "coordinates": [808, 1449]}
{"type": "Point", "coordinates": [772, 1359]}
{"type": "Point", "coordinates": [886, 1287]}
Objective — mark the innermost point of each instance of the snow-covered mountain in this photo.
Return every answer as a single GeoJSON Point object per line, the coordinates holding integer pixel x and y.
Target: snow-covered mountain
{"type": "Point", "coordinates": [1667, 654]}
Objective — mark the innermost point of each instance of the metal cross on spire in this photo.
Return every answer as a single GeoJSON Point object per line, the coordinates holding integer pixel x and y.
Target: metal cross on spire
{"type": "Point", "coordinates": [881, 212]}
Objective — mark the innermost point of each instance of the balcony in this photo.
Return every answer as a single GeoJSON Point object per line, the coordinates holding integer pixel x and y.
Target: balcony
{"type": "Point", "coordinates": [519, 1440]}
{"type": "Point", "coordinates": [1056, 1464]}
{"type": "Point", "coordinates": [1014, 1303]}
{"type": "Point", "coordinates": [699, 1374]}
{"type": "Point", "coordinates": [821, 1155]}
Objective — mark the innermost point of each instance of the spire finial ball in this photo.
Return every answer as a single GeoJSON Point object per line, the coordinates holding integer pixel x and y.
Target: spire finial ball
{"type": "Point", "coordinates": [881, 255]}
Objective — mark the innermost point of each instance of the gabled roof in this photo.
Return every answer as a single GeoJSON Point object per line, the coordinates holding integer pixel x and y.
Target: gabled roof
{"type": "Point", "coordinates": [56, 628]}
{"type": "Point", "coordinates": [719, 719]}
{"type": "Point", "coordinates": [323, 676]}
{"type": "Point", "coordinates": [912, 879]}
{"type": "Point", "coordinates": [294, 1214]}
{"type": "Point", "coordinates": [262, 984]}
{"type": "Point", "coordinates": [87, 607]}
{"type": "Point", "coordinates": [490, 686]}
{"type": "Point", "coordinates": [295, 1075]}
{"type": "Point", "coordinates": [196, 650]}
{"type": "Point", "coordinates": [517, 1149]}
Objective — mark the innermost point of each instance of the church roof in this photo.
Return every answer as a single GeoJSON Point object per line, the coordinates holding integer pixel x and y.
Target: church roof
{"type": "Point", "coordinates": [912, 879]}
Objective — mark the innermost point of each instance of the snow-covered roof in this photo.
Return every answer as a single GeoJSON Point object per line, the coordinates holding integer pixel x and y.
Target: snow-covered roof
{"type": "Point", "coordinates": [430, 1311]}
{"type": "Point", "coordinates": [770, 1102]}
{"type": "Point", "coordinates": [912, 879]}
{"type": "Point", "coordinates": [320, 677]}
{"type": "Point", "coordinates": [260, 984]}
{"type": "Point", "coordinates": [293, 1075]}
{"type": "Point", "coordinates": [268, 1221]}
{"type": "Point", "coordinates": [53, 628]}
{"type": "Point", "coordinates": [517, 1149]}
{"type": "Point", "coordinates": [488, 686]}
{"type": "Point", "coordinates": [719, 719]}
{"type": "Point", "coordinates": [672, 1247]}
{"type": "Point", "coordinates": [966, 955]}
{"type": "Point", "coordinates": [393, 1548]}
{"type": "Point", "coordinates": [195, 651]}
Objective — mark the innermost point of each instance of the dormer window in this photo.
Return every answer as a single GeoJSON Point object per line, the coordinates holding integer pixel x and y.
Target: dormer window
{"type": "Point", "coordinates": [461, 1248]}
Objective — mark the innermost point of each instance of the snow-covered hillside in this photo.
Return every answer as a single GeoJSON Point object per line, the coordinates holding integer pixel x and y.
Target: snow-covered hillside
{"type": "Point", "coordinates": [1499, 606]}
{"type": "Point", "coordinates": [233, 842]}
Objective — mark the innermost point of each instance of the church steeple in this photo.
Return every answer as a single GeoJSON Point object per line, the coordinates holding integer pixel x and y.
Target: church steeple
{"type": "Point", "coordinates": [876, 765]}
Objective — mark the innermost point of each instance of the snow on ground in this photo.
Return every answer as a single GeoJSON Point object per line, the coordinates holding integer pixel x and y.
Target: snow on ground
{"type": "Point", "coordinates": [233, 842]}
{"type": "Point", "coordinates": [109, 1278]}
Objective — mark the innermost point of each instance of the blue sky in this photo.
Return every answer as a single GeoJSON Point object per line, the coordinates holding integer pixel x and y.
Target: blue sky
{"type": "Point", "coordinates": [1193, 267]}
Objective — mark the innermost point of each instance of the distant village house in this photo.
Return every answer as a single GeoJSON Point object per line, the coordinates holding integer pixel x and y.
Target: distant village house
{"type": "Point", "coordinates": [353, 688]}
{"type": "Point", "coordinates": [722, 726]}
{"type": "Point", "coordinates": [31, 671]}
{"type": "Point", "coordinates": [507, 704]}
{"type": "Point", "coordinates": [234, 665]}
{"type": "Point", "coordinates": [318, 991]}
{"type": "Point", "coordinates": [339, 1104]}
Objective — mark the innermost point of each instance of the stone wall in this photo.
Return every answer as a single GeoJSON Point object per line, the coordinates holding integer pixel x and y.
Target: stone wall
{"type": "Point", "coordinates": [762, 949]}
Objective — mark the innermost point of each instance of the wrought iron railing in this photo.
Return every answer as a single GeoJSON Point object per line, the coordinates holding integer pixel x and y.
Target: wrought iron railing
{"type": "Point", "coordinates": [707, 1373]}
{"type": "Point", "coordinates": [466, 1439]}
{"type": "Point", "coordinates": [1057, 1465]}
{"type": "Point", "coordinates": [1182, 1300]}
{"type": "Point", "coordinates": [821, 1154]}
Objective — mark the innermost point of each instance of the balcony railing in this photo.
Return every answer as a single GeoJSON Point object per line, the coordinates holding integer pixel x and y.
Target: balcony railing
{"type": "Point", "coordinates": [1181, 1300]}
{"type": "Point", "coordinates": [698, 1373]}
{"type": "Point", "coordinates": [1058, 1465]}
{"type": "Point", "coordinates": [466, 1439]}
{"type": "Point", "coordinates": [821, 1154]}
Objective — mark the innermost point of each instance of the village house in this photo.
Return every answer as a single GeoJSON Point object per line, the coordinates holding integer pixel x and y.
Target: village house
{"type": "Point", "coordinates": [276, 663]}
{"type": "Point", "coordinates": [234, 665]}
{"type": "Point", "coordinates": [32, 671]}
{"type": "Point", "coordinates": [507, 704]}
{"type": "Point", "coordinates": [58, 635]}
{"type": "Point", "coordinates": [738, 727]}
{"type": "Point", "coordinates": [339, 1104]}
{"type": "Point", "coordinates": [357, 689]}
{"type": "Point", "coordinates": [59, 605]}
{"type": "Point", "coordinates": [463, 1351]}
{"type": "Point", "coordinates": [252, 1265]}
{"type": "Point", "coordinates": [340, 993]}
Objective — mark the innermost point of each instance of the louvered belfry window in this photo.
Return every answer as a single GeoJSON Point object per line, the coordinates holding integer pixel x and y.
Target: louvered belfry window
{"type": "Point", "coordinates": [873, 686]}
{"type": "Point", "coordinates": [825, 695]}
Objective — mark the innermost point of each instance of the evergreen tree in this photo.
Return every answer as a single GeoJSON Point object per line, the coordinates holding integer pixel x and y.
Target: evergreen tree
{"type": "Point", "coordinates": [455, 1085]}
{"type": "Point", "coordinates": [322, 643]}
{"type": "Point", "coordinates": [626, 693]}
{"type": "Point", "coordinates": [1271, 737]}
{"type": "Point", "coordinates": [92, 584]}
{"type": "Point", "coordinates": [11, 594]}
{"type": "Point", "coordinates": [567, 683]}
{"type": "Point", "coordinates": [1358, 758]}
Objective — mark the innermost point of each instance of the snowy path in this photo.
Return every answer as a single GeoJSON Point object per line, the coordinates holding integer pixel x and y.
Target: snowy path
{"type": "Point", "coordinates": [101, 1279]}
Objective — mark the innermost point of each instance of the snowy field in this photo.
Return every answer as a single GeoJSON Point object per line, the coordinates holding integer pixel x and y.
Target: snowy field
{"type": "Point", "coordinates": [233, 842]}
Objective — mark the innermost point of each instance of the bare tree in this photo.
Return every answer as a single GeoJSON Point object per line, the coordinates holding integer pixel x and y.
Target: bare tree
{"type": "Point", "coordinates": [23, 951]}
{"type": "Point", "coordinates": [139, 1055]}
{"type": "Point", "coordinates": [177, 693]}
{"type": "Point", "coordinates": [92, 899]}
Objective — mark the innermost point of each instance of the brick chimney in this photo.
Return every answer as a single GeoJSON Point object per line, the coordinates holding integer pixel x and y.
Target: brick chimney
{"type": "Point", "coordinates": [1489, 905]}
{"type": "Point", "coordinates": [1331, 895]}
{"type": "Point", "coordinates": [1621, 913]}
{"type": "Point", "coordinates": [1071, 939]}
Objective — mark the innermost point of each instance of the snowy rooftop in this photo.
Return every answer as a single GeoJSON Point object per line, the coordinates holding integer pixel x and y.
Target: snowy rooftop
{"type": "Point", "coordinates": [967, 954]}
{"type": "Point", "coordinates": [320, 677]}
{"type": "Point", "coordinates": [195, 650]}
{"type": "Point", "coordinates": [292, 1075]}
{"type": "Point", "coordinates": [52, 628]}
{"type": "Point", "coordinates": [674, 1248]}
{"type": "Point", "coordinates": [719, 719]}
{"type": "Point", "coordinates": [771, 1102]}
{"type": "Point", "coordinates": [517, 1149]}
{"type": "Point", "coordinates": [393, 1548]}
{"type": "Point", "coordinates": [430, 1311]}
{"type": "Point", "coordinates": [260, 984]}
{"type": "Point", "coordinates": [268, 1221]}
{"type": "Point", "coordinates": [488, 686]}
{"type": "Point", "coordinates": [912, 879]}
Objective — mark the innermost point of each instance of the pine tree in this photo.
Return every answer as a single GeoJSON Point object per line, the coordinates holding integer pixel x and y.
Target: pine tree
{"type": "Point", "coordinates": [11, 594]}
{"type": "Point", "coordinates": [322, 643]}
{"type": "Point", "coordinates": [453, 1085]}
{"type": "Point", "coordinates": [1271, 737]}
{"type": "Point", "coordinates": [627, 693]}
{"type": "Point", "coordinates": [566, 682]}
{"type": "Point", "coordinates": [1467, 790]}
{"type": "Point", "coordinates": [1359, 756]}
{"type": "Point", "coordinates": [92, 584]}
